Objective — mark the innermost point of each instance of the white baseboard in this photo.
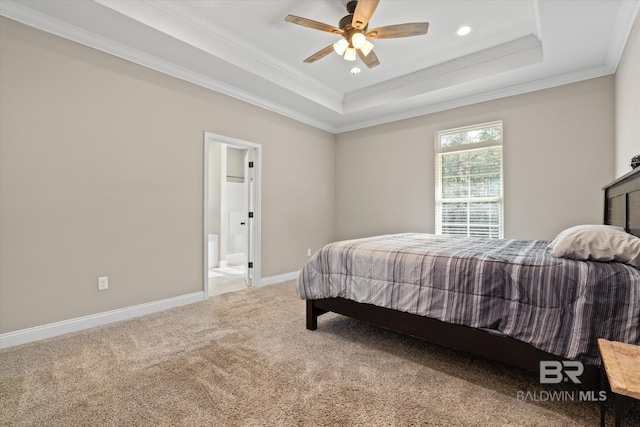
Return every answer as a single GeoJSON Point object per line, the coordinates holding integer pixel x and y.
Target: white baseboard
{"type": "Point", "coordinates": [50, 330]}
{"type": "Point", "coordinates": [279, 278]}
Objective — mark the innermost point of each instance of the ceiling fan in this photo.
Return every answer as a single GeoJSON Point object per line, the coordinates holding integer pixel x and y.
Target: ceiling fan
{"type": "Point", "coordinates": [354, 31]}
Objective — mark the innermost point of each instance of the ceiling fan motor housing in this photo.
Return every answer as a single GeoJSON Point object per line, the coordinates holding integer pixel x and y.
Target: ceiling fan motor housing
{"type": "Point", "coordinates": [345, 23]}
{"type": "Point", "coordinates": [347, 28]}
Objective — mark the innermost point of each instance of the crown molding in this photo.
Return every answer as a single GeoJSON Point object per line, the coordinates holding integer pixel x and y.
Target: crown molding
{"type": "Point", "coordinates": [180, 12]}
{"type": "Point", "coordinates": [175, 21]}
{"type": "Point", "coordinates": [624, 23]}
{"type": "Point", "coordinates": [456, 102]}
{"type": "Point", "coordinates": [32, 18]}
{"type": "Point", "coordinates": [395, 92]}
{"type": "Point", "coordinates": [534, 14]}
{"type": "Point", "coordinates": [507, 56]}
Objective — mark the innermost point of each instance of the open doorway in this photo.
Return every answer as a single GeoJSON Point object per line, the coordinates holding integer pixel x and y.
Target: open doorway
{"type": "Point", "coordinates": [231, 214]}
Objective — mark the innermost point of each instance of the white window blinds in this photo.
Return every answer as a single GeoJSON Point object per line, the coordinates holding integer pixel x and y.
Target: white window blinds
{"type": "Point", "coordinates": [469, 193]}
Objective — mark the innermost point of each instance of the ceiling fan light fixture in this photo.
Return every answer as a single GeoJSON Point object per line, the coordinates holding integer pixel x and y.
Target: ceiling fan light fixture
{"type": "Point", "coordinates": [358, 40]}
{"type": "Point", "coordinates": [340, 46]}
{"type": "Point", "coordinates": [355, 32]}
{"type": "Point", "coordinates": [366, 48]}
{"type": "Point", "coordinates": [350, 54]}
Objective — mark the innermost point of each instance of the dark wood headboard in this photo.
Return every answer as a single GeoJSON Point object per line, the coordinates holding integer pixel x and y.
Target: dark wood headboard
{"type": "Point", "coordinates": [622, 202]}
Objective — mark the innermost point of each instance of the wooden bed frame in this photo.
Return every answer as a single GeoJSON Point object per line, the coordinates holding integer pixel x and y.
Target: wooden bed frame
{"type": "Point", "coordinates": [621, 208]}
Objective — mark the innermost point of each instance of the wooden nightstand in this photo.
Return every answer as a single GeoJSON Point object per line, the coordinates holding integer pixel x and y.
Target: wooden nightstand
{"type": "Point", "coordinates": [621, 368]}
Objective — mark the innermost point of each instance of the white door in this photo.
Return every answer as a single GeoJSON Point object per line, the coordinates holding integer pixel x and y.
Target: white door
{"type": "Point", "coordinates": [249, 209]}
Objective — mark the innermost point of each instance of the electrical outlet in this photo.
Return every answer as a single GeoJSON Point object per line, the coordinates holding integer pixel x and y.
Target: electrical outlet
{"type": "Point", "coordinates": [103, 283]}
{"type": "Point", "coordinates": [308, 252]}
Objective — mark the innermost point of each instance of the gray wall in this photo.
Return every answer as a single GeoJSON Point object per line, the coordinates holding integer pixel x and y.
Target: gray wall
{"type": "Point", "coordinates": [628, 102]}
{"type": "Point", "coordinates": [558, 153]}
{"type": "Point", "coordinates": [101, 173]}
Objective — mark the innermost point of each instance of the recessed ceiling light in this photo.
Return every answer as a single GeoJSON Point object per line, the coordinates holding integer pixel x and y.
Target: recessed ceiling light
{"type": "Point", "coordinates": [355, 71]}
{"type": "Point", "coordinates": [464, 30]}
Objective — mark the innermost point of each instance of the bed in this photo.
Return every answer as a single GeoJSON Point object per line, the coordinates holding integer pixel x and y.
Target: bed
{"type": "Point", "coordinates": [497, 299]}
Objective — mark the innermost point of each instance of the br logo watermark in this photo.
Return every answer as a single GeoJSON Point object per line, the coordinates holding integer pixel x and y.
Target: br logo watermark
{"type": "Point", "coordinates": [555, 372]}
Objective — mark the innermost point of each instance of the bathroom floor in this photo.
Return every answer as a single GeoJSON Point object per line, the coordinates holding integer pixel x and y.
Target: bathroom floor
{"type": "Point", "coordinates": [226, 279]}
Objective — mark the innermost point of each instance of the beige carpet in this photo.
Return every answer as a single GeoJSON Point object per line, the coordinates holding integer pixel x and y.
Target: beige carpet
{"type": "Point", "coordinates": [246, 359]}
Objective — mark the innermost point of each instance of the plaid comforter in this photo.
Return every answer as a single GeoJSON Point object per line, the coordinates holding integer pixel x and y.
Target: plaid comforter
{"type": "Point", "coordinates": [560, 306]}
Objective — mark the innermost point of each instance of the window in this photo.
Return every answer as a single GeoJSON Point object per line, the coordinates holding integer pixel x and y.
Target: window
{"type": "Point", "coordinates": [469, 194]}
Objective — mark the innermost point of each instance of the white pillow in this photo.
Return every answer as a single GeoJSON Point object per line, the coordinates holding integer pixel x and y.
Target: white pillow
{"type": "Point", "coordinates": [597, 243]}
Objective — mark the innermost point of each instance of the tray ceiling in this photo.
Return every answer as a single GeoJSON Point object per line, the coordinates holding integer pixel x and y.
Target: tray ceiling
{"type": "Point", "coordinates": [245, 49]}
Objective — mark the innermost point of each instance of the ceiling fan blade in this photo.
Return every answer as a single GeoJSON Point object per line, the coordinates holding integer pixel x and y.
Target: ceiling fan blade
{"type": "Point", "coordinates": [319, 54]}
{"type": "Point", "coordinates": [371, 60]}
{"type": "Point", "coordinates": [363, 12]}
{"type": "Point", "coordinates": [399, 30]}
{"type": "Point", "coordinates": [312, 24]}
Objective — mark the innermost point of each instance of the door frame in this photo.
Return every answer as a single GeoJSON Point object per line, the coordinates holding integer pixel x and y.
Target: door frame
{"type": "Point", "coordinates": [209, 138]}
